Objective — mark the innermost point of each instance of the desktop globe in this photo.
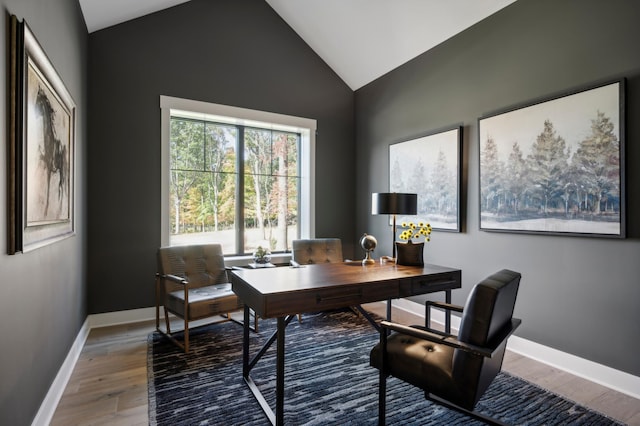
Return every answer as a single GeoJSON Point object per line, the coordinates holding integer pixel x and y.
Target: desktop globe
{"type": "Point", "coordinates": [368, 244]}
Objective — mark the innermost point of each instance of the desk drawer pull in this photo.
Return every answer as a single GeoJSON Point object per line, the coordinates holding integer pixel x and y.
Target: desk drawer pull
{"type": "Point", "coordinates": [436, 282]}
{"type": "Point", "coordinates": [320, 298]}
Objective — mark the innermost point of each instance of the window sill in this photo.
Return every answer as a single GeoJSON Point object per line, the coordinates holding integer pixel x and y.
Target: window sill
{"type": "Point", "coordinates": [246, 259]}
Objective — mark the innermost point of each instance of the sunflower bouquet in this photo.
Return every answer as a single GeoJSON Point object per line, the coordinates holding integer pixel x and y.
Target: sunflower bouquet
{"type": "Point", "coordinates": [416, 232]}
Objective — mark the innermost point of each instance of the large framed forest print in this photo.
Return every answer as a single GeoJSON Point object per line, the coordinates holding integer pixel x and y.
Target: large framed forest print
{"type": "Point", "coordinates": [556, 166]}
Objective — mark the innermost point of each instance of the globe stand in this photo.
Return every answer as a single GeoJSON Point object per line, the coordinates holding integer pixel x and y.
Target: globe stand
{"type": "Point", "coordinates": [368, 260]}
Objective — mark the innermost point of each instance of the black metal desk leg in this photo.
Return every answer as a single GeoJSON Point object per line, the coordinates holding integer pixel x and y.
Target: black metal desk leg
{"type": "Point", "coordinates": [447, 315]}
{"type": "Point", "coordinates": [280, 372]}
{"type": "Point", "coordinates": [245, 343]}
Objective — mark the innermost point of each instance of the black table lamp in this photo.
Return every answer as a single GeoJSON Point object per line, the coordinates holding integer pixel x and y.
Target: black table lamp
{"type": "Point", "coordinates": [394, 203]}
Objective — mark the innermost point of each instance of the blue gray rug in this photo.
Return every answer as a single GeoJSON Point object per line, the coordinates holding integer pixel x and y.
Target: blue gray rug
{"type": "Point", "coordinates": [328, 382]}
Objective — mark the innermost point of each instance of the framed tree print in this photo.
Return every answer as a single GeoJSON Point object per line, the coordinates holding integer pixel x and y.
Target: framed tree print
{"type": "Point", "coordinates": [430, 166]}
{"type": "Point", "coordinates": [556, 166]}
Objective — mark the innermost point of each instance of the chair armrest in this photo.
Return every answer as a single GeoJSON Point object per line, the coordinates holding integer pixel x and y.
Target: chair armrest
{"type": "Point", "coordinates": [442, 305]}
{"type": "Point", "coordinates": [452, 341]}
{"type": "Point", "coordinates": [174, 278]}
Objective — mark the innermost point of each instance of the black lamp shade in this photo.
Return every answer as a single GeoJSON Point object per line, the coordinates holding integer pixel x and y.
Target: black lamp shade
{"type": "Point", "coordinates": [394, 203]}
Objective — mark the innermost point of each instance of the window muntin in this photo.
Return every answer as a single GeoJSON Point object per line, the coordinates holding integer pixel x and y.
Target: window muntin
{"type": "Point", "coordinates": [271, 185]}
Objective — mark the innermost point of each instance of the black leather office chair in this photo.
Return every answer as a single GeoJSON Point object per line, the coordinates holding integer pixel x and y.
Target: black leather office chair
{"type": "Point", "coordinates": [454, 372]}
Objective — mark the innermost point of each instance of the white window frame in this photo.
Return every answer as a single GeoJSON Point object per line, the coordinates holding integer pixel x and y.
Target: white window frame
{"type": "Point", "coordinates": [248, 117]}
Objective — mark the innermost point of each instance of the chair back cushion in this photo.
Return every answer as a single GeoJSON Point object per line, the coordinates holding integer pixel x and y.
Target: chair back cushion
{"type": "Point", "coordinates": [318, 250]}
{"type": "Point", "coordinates": [200, 264]}
{"type": "Point", "coordinates": [488, 310]}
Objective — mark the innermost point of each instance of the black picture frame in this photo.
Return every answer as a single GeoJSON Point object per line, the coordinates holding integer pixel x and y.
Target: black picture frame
{"type": "Point", "coordinates": [556, 165]}
{"type": "Point", "coordinates": [430, 165]}
{"type": "Point", "coordinates": [41, 172]}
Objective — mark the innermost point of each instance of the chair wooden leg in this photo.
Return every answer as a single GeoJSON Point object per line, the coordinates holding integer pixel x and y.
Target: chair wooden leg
{"type": "Point", "coordinates": [299, 318]}
{"type": "Point", "coordinates": [186, 315]}
{"type": "Point", "coordinates": [157, 301]}
{"type": "Point", "coordinates": [157, 317]}
{"type": "Point", "coordinates": [167, 323]}
{"type": "Point", "coordinates": [186, 335]}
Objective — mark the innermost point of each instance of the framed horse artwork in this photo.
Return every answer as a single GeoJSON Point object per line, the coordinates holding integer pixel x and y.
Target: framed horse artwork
{"type": "Point", "coordinates": [41, 147]}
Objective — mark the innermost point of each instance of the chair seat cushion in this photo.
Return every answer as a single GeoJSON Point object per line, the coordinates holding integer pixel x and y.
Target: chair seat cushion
{"type": "Point", "coordinates": [420, 362]}
{"type": "Point", "coordinates": [204, 301]}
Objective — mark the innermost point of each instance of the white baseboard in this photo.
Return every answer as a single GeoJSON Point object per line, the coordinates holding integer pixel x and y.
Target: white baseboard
{"type": "Point", "coordinates": [50, 402]}
{"type": "Point", "coordinates": [598, 373]}
{"type": "Point", "coordinates": [592, 371]}
{"type": "Point", "coordinates": [122, 317]}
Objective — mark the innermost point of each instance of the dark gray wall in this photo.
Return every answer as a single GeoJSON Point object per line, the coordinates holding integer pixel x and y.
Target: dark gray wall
{"type": "Point", "coordinates": [42, 293]}
{"type": "Point", "coordinates": [578, 295]}
{"type": "Point", "coordinates": [233, 52]}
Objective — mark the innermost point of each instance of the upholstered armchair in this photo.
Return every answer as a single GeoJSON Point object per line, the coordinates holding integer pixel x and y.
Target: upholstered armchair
{"type": "Point", "coordinates": [316, 250]}
{"type": "Point", "coordinates": [192, 284]}
{"type": "Point", "coordinates": [452, 371]}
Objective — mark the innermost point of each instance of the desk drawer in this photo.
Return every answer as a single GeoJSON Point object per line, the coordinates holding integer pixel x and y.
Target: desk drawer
{"type": "Point", "coordinates": [429, 284]}
{"type": "Point", "coordinates": [338, 297]}
{"type": "Point", "coordinates": [331, 297]}
{"type": "Point", "coordinates": [354, 295]}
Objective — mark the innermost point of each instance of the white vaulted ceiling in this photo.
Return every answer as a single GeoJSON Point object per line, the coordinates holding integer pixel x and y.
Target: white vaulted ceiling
{"type": "Point", "coordinates": [360, 40]}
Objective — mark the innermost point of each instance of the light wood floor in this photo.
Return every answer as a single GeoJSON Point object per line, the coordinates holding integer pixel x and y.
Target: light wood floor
{"type": "Point", "coordinates": [109, 383]}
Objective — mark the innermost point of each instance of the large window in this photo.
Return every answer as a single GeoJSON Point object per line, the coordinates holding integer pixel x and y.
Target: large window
{"type": "Point", "coordinates": [235, 176]}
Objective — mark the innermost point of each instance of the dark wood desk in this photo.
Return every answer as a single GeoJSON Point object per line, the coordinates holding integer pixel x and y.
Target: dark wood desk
{"type": "Point", "coordinates": [284, 292]}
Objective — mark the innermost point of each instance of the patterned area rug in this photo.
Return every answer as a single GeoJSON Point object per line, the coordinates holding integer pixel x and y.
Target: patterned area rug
{"type": "Point", "coordinates": [328, 382]}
